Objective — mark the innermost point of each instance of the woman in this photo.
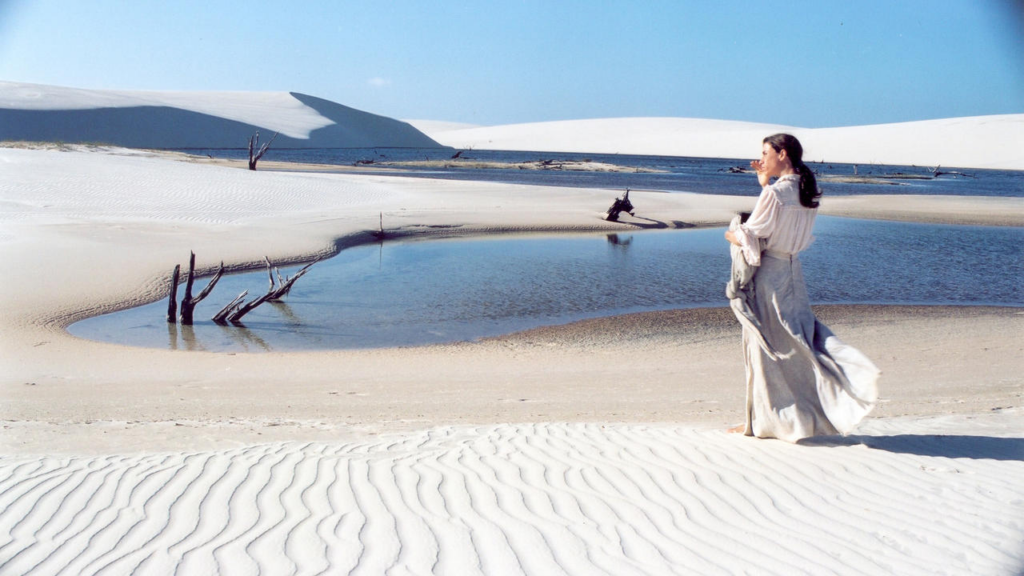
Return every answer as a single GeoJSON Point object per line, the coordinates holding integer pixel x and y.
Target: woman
{"type": "Point", "coordinates": [807, 383]}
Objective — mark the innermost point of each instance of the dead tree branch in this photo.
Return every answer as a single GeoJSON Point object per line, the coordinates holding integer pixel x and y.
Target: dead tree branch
{"type": "Point", "coordinates": [222, 316]}
{"type": "Point", "coordinates": [285, 285]}
{"type": "Point", "coordinates": [380, 234]}
{"type": "Point", "coordinates": [236, 316]}
{"type": "Point", "coordinates": [254, 141]}
{"type": "Point", "coordinates": [274, 292]}
{"type": "Point", "coordinates": [188, 303]}
{"type": "Point", "coordinates": [172, 297]}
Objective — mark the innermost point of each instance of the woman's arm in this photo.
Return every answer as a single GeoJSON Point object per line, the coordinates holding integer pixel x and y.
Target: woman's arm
{"type": "Point", "coordinates": [761, 224]}
{"type": "Point", "coordinates": [763, 179]}
{"type": "Point", "coordinates": [762, 220]}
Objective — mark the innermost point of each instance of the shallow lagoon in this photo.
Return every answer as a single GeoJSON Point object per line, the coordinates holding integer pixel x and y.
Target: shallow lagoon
{"type": "Point", "coordinates": [423, 292]}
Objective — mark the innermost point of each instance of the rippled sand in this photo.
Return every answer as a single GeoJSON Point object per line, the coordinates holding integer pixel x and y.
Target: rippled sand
{"type": "Point", "coordinates": [534, 499]}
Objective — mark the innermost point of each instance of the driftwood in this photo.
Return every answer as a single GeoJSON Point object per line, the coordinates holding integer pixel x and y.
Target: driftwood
{"type": "Point", "coordinates": [285, 283]}
{"type": "Point", "coordinates": [235, 317]}
{"type": "Point", "coordinates": [254, 141]}
{"type": "Point", "coordinates": [619, 205]}
{"type": "Point", "coordinates": [188, 303]}
{"type": "Point", "coordinates": [237, 308]}
{"type": "Point", "coordinates": [172, 298]}
{"type": "Point", "coordinates": [234, 311]}
{"type": "Point", "coordinates": [936, 173]}
{"type": "Point", "coordinates": [222, 316]}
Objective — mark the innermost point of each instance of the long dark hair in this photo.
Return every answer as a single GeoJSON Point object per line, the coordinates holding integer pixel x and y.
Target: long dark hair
{"type": "Point", "coordinates": [809, 192]}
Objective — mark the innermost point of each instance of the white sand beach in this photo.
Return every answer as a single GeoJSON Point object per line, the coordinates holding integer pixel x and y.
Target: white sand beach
{"type": "Point", "coordinates": [539, 452]}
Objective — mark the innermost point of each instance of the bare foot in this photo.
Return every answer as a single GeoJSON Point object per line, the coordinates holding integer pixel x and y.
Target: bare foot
{"type": "Point", "coordinates": [737, 429]}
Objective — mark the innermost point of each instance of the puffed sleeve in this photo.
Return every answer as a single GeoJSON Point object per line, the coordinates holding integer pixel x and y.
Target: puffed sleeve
{"type": "Point", "coordinates": [761, 224]}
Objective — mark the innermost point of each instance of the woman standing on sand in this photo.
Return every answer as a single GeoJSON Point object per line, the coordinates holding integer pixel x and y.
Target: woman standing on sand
{"type": "Point", "coordinates": [801, 380]}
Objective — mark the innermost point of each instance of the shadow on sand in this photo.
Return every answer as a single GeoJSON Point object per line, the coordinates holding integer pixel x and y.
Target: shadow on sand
{"type": "Point", "coordinates": [953, 446]}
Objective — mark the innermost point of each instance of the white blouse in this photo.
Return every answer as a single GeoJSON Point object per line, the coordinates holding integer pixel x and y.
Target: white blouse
{"type": "Point", "coordinates": [779, 219]}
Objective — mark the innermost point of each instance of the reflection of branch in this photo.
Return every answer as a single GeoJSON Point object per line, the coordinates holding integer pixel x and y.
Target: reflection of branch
{"type": "Point", "coordinates": [287, 312]}
{"type": "Point", "coordinates": [172, 335]}
{"type": "Point", "coordinates": [188, 337]}
{"type": "Point", "coordinates": [616, 240]}
{"type": "Point", "coordinates": [243, 336]}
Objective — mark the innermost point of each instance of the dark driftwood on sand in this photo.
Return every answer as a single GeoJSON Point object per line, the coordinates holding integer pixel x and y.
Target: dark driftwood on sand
{"type": "Point", "coordinates": [254, 141]}
{"type": "Point", "coordinates": [188, 303]}
{"type": "Point", "coordinates": [619, 205]}
{"type": "Point", "coordinates": [172, 297]}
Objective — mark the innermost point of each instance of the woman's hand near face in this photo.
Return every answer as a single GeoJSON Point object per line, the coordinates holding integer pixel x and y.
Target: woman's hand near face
{"type": "Point", "coordinates": [762, 175]}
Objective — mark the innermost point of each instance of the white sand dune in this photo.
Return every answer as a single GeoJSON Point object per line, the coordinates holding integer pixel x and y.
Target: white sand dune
{"type": "Point", "coordinates": [974, 142]}
{"type": "Point", "coordinates": [167, 119]}
{"type": "Point", "coordinates": [530, 499]}
{"type": "Point", "coordinates": [428, 126]}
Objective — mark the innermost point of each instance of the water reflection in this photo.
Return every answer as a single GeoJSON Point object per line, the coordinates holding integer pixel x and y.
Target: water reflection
{"type": "Point", "coordinates": [286, 313]}
{"type": "Point", "coordinates": [446, 290]}
{"type": "Point", "coordinates": [188, 338]}
{"type": "Point", "coordinates": [172, 336]}
{"type": "Point", "coordinates": [245, 338]}
{"type": "Point", "coordinates": [617, 240]}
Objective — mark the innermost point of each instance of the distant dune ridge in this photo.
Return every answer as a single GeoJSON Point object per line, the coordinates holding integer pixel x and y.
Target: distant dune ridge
{"type": "Point", "coordinates": [973, 142]}
{"type": "Point", "coordinates": [140, 119]}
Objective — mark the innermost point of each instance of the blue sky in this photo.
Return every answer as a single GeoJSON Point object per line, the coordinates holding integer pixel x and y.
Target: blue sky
{"type": "Point", "coordinates": [811, 64]}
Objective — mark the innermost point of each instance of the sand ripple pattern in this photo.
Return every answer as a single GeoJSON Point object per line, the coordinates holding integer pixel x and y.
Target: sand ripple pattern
{"type": "Point", "coordinates": [529, 499]}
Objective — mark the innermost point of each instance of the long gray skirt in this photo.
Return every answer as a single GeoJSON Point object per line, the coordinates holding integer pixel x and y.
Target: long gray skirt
{"type": "Point", "coordinates": [815, 385]}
